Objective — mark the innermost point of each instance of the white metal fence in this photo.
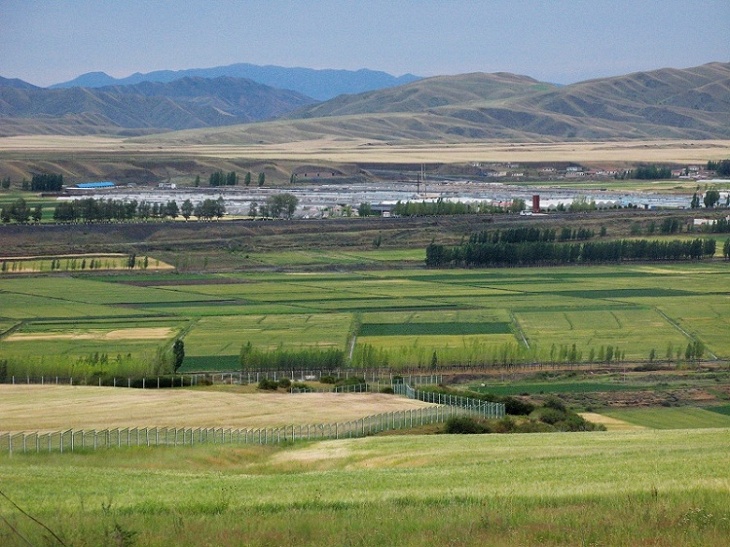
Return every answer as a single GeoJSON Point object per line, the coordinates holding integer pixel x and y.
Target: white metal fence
{"type": "Point", "coordinates": [481, 408]}
{"type": "Point", "coordinates": [74, 440]}
{"type": "Point", "coordinates": [79, 440]}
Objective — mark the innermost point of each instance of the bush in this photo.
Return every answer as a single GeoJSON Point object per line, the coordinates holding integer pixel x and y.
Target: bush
{"type": "Point", "coordinates": [328, 379]}
{"type": "Point", "coordinates": [517, 407]}
{"type": "Point", "coordinates": [284, 383]}
{"type": "Point", "coordinates": [387, 390]}
{"type": "Point", "coordinates": [550, 416]}
{"type": "Point", "coordinates": [270, 385]}
{"type": "Point", "coordinates": [352, 381]}
{"type": "Point", "coordinates": [465, 425]}
{"type": "Point", "coordinates": [555, 404]}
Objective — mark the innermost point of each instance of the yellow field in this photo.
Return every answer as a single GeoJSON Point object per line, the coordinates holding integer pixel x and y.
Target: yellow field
{"type": "Point", "coordinates": [149, 333]}
{"type": "Point", "coordinates": [351, 150]}
{"type": "Point", "coordinates": [54, 408]}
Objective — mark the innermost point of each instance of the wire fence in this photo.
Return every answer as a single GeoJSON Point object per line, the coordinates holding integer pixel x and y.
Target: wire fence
{"type": "Point", "coordinates": [240, 377]}
{"type": "Point", "coordinates": [485, 409]}
{"type": "Point", "coordinates": [72, 440]}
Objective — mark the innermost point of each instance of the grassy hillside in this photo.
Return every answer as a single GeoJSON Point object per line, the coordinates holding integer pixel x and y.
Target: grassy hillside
{"type": "Point", "coordinates": [620, 488]}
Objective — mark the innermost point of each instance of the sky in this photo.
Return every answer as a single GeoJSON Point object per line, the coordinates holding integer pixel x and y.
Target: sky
{"type": "Point", "coordinates": [561, 41]}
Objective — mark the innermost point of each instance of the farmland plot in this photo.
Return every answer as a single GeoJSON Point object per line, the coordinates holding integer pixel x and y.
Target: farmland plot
{"type": "Point", "coordinates": [397, 317]}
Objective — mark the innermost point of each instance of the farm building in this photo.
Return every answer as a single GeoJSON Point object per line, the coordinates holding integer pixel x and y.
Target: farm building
{"type": "Point", "coordinates": [93, 185]}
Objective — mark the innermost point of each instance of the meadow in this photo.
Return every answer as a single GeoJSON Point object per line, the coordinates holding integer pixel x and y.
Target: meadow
{"type": "Point", "coordinates": [610, 488]}
{"type": "Point", "coordinates": [56, 324]}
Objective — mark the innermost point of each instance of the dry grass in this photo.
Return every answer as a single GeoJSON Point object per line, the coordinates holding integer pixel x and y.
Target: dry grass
{"type": "Point", "coordinates": [612, 424]}
{"type": "Point", "coordinates": [148, 333]}
{"type": "Point", "coordinates": [352, 150]}
{"type": "Point", "coordinates": [53, 408]}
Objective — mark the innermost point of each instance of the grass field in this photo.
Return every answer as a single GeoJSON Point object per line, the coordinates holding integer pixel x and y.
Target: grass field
{"type": "Point", "coordinates": [399, 317]}
{"type": "Point", "coordinates": [56, 408]}
{"type": "Point", "coordinates": [671, 418]}
{"type": "Point", "coordinates": [612, 488]}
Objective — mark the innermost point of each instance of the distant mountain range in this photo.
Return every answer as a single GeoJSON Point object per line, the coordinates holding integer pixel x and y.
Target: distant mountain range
{"type": "Point", "coordinates": [692, 103]}
{"type": "Point", "coordinates": [318, 84]}
{"type": "Point", "coordinates": [146, 107]}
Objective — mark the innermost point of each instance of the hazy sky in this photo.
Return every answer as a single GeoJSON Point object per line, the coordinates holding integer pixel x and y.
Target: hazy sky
{"type": "Point", "coordinates": [562, 41]}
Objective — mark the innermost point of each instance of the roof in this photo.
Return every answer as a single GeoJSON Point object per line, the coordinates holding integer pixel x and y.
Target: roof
{"type": "Point", "coordinates": [92, 185]}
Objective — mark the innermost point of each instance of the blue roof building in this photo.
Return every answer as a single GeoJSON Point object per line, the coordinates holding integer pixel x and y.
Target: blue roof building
{"type": "Point", "coordinates": [95, 185]}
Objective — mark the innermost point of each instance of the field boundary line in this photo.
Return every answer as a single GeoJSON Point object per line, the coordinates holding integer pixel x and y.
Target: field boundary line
{"type": "Point", "coordinates": [519, 328]}
{"type": "Point", "coordinates": [684, 332]}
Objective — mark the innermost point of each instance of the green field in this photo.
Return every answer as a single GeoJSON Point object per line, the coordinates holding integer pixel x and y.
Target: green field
{"type": "Point", "coordinates": [625, 313]}
{"type": "Point", "coordinates": [622, 488]}
{"type": "Point", "coordinates": [671, 418]}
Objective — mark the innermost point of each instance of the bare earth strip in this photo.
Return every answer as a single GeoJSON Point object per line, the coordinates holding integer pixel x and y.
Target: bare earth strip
{"type": "Point", "coordinates": [54, 408]}
{"type": "Point", "coordinates": [151, 333]}
{"type": "Point", "coordinates": [612, 424]}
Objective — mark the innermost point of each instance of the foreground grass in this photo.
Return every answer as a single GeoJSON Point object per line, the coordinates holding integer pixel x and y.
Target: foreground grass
{"type": "Point", "coordinates": [624, 488]}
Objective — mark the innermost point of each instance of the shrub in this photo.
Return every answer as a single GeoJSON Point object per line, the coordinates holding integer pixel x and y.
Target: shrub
{"type": "Point", "coordinates": [505, 425]}
{"type": "Point", "coordinates": [387, 390]}
{"type": "Point", "coordinates": [556, 404]}
{"type": "Point", "coordinates": [328, 379]}
{"type": "Point", "coordinates": [284, 383]}
{"type": "Point", "coordinates": [517, 407]}
{"type": "Point", "coordinates": [550, 416]}
{"type": "Point", "coordinates": [352, 381]}
{"type": "Point", "coordinates": [267, 384]}
{"type": "Point", "coordinates": [465, 425]}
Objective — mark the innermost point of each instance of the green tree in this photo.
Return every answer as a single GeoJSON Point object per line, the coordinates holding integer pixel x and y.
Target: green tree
{"type": "Point", "coordinates": [262, 179]}
{"type": "Point", "coordinates": [178, 354]}
{"type": "Point", "coordinates": [172, 210]}
{"type": "Point", "coordinates": [364, 209]}
{"type": "Point", "coordinates": [187, 209]}
{"type": "Point", "coordinates": [197, 181]}
{"type": "Point", "coordinates": [253, 209]}
{"type": "Point", "coordinates": [247, 179]}
{"type": "Point", "coordinates": [19, 211]}
{"type": "Point", "coordinates": [711, 198]}
{"type": "Point", "coordinates": [37, 213]}
{"type": "Point", "coordinates": [131, 261]}
{"type": "Point", "coordinates": [695, 203]}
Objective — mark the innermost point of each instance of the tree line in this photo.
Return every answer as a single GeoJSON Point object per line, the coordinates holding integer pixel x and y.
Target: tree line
{"type": "Point", "coordinates": [289, 359]}
{"type": "Point", "coordinates": [19, 211]}
{"type": "Point", "coordinates": [105, 210]}
{"type": "Point", "coordinates": [46, 182]}
{"type": "Point", "coordinates": [532, 253]}
{"type": "Point", "coordinates": [275, 206]}
{"type": "Point", "coordinates": [525, 234]}
{"type": "Point", "coordinates": [651, 172]}
{"type": "Point", "coordinates": [441, 207]}
{"type": "Point", "coordinates": [721, 167]}
{"type": "Point", "coordinates": [219, 178]}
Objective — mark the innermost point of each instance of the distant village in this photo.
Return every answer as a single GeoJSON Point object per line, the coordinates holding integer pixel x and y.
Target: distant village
{"type": "Point", "coordinates": [516, 171]}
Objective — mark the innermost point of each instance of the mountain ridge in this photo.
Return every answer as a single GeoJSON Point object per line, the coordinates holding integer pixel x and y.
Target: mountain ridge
{"type": "Point", "coordinates": [149, 106]}
{"type": "Point", "coordinates": [691, 103]}
{"type": "Point", "coordinates": [320, 84]}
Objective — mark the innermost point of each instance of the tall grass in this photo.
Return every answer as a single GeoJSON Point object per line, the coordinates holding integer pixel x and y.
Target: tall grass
{"type": "Point", "coordinates": [649, 487]}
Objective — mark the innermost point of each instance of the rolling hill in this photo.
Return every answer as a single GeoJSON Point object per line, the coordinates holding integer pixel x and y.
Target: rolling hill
{"type": "Point", "coordinates": [147, 107]}
{"type": "Point", "coordinates": [691, 103]}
